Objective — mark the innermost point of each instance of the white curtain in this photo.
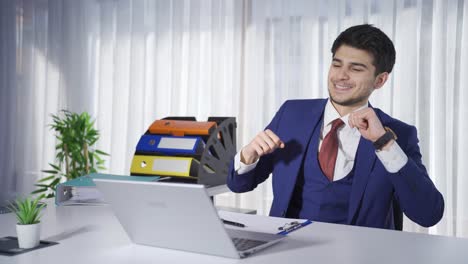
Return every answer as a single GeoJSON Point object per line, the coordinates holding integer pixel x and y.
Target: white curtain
{"type": "Point", "coordinates": [8, 176]}
{"type": "Point", "coordinates": [131, 62]}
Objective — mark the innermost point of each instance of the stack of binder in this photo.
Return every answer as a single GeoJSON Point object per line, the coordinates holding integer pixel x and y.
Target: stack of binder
{"type": "Point", "coordinates": [187, 150]}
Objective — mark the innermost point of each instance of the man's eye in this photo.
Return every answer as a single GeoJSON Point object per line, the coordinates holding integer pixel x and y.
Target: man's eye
{"type": "Point", "coordinates": [358, 69]}
{"type": "Point", "coordinates": [336, 65]}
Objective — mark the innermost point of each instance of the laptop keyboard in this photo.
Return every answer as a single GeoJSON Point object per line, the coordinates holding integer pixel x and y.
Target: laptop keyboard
{"type": "Point", "coordinates": [245, 244]}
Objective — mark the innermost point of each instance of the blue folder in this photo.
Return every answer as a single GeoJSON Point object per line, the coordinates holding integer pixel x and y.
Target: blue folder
{"type": "Point", "coordinates": [170, 145]}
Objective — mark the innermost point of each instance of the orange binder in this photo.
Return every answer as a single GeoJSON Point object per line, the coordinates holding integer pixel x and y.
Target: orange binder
{"type": "Point", "coordinates": [182, 128]}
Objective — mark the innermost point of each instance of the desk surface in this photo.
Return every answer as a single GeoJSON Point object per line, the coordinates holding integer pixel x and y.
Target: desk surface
{"type": "Point", "coordinates": [92, 234]}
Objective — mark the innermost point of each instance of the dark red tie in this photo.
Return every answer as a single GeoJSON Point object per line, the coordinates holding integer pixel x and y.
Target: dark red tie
{"type": "Point", "coordinates": [329, 150]}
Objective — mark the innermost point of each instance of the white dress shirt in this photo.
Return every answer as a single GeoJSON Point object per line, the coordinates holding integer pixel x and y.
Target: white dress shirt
{"type": "Point", "coordinates": [393, 158]}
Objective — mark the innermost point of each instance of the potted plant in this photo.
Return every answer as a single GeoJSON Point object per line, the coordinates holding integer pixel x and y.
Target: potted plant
{"type": "Point", "coordinates": [27, 212]}
{"type": "Point", "coordinates": [76, 155]}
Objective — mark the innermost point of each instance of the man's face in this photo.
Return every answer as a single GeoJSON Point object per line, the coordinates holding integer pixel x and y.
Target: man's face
{"type": "Point", "coordinates": [351, 78]}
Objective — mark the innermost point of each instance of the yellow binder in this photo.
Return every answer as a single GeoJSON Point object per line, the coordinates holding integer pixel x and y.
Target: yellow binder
{"type": "Point", "coordinates": [165, 166]}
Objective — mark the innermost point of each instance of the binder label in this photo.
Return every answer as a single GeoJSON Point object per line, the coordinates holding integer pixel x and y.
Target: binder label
{"type": "Point", "coordinates": [177, 166]}
{"type": "Point", "coordinates": [177, 143]}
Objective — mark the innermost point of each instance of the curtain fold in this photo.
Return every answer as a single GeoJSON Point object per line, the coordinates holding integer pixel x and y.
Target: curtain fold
{"type": "Point", "coordinates": [8, 95]}
{"type": "Point", "coordinates": [130, 62]}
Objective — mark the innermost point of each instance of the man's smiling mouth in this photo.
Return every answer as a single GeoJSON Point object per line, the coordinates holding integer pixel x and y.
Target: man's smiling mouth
{"type": "Point", "coordinates": [343, 87]}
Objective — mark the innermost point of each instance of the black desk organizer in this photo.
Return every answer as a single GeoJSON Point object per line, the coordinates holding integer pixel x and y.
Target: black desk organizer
{"type": "Point", "coordinates": [220, 149]}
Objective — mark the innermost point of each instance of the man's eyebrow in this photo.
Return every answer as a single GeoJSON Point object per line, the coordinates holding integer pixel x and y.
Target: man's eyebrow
{"type": "Point", "coordinates": [352, 63]}
{"type": "Point", "coordinates": [359, 64]}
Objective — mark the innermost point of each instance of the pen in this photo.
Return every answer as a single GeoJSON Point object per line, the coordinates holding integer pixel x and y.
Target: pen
{"type": "Point", "coordinates": [295, 225]}
{"type": "Point", "coordinates": [232, 223]}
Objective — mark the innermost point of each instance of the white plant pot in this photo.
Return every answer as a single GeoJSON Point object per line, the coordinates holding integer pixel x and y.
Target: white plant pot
{"type": "Point", "coordinates": [28, 235]}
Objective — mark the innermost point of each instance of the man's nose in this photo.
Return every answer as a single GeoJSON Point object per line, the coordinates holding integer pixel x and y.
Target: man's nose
{"type": "Point", "coordinates": [342, 74]}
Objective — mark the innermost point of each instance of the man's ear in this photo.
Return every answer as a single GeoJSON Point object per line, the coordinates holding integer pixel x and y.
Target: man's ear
{"type": "Point", "coordinates": [380, 80]}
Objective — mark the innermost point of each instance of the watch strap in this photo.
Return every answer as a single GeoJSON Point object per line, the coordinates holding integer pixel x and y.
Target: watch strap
{"type": "Point", "coordinates": [384, 139]}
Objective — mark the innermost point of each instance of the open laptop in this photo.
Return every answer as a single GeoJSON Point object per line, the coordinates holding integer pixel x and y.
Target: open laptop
{"type": "Point", "coordinates": [178, 216]}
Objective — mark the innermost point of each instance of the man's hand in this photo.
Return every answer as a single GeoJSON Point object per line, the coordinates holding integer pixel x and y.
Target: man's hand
{"type": "Point", "coordinates": [368, 124]}
{"type": "Point", "coordinates": [264, 143]}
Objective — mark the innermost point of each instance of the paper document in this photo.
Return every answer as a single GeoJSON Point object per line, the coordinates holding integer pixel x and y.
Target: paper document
{"type": "Point", "coordinates": [265, 224]}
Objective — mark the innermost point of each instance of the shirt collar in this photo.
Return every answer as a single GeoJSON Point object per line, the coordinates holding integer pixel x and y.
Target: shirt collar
{"type": "Point", "coordinates": [331, 114]}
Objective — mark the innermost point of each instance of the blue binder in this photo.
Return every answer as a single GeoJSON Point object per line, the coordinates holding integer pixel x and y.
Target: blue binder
{"type": "Point", "coordinates": [170, 145]}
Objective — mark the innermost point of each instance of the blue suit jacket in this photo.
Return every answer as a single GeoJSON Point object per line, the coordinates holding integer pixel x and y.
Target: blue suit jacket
{"type": "Point", "coordinates": [374, 189]}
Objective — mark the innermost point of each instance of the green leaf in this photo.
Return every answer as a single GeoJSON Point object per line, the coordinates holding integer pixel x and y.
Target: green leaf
{"type": "Point", "coordinates": [42, 185]}
{"type": "Point", "coordinates": [40, 197]}
{"type": "Point", "coordinates": [39, 191]}
{"type": "Point", "coordinates": [98, 158]}
{"type": "Point", "coordinates": [46, 178]}
{"type": "Point", "coordinates": [102, 152]}
{"type": "Point", "coordinates": [50, 171]}
{"type": "Point", "coordinates": [54, 166]}
{"type": "Point", "coordinates": [55, 182]}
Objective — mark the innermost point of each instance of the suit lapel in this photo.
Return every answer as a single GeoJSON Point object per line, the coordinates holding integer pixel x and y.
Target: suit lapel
{"type": "Point", "coordinates": [303, 135]}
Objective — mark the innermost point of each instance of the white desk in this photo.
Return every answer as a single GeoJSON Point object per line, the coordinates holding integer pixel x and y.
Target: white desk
{"type": "Point", "coordinates": [91, 234]}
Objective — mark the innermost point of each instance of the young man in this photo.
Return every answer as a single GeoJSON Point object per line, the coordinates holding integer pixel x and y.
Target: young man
{"type": "Point", "coordinates": [340, 160]}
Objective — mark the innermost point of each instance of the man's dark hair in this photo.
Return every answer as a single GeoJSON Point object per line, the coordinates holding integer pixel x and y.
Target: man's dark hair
{"type": "Point", "coordinates": [371, 39]}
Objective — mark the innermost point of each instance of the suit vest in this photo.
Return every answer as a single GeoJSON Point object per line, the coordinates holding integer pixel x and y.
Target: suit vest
{"type": "Point", "coordinates": [314, 196]}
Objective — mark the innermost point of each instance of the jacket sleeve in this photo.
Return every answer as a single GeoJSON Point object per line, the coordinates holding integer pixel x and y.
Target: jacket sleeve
{"type": "Point", "coordinates": [250, 180]}
{"type": "Point", "coordinates": [416, 193]}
